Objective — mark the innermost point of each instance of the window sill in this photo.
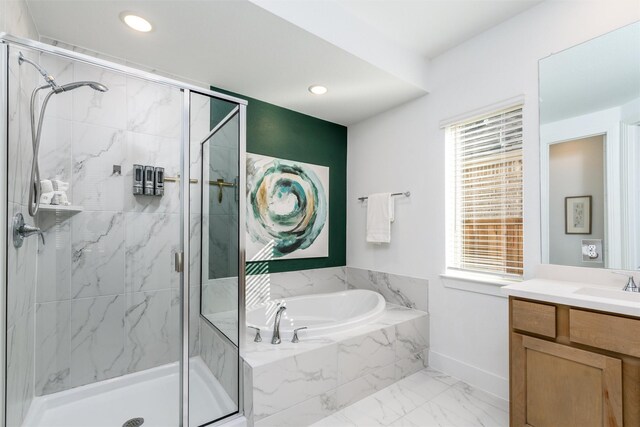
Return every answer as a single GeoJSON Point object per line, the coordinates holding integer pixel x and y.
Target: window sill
{"type": "Point", "coordinates": [476, 283]}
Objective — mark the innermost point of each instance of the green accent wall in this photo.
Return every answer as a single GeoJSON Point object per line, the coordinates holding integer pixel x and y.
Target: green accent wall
{"type": "Point", "coordinates": [279, 132]}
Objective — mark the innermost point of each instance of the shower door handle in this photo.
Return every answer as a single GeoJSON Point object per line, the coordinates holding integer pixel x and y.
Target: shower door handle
{"type": "Point", "coordinates": [179, 261]}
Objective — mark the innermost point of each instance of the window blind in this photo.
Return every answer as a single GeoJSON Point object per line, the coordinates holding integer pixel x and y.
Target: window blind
{"type": "Point", "coordinates": [485, 194]}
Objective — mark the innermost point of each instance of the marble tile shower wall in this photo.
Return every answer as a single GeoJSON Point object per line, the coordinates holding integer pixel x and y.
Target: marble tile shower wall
{"type": "Point", "coordinates": [21, 266]}
{"type": "Point", "coordinates": [107, 298]}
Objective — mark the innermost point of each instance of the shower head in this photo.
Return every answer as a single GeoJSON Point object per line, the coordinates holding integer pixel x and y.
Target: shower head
{"type": "Point", "coordinates": [93, 85]}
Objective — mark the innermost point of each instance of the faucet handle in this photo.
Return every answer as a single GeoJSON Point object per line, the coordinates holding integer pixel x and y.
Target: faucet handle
{"type": "Point", "coordinates": [258, 337]}
{"type": "Point", "coordinates": [295, 334]}
{"type": "Point", "coordinates": [631, 286]}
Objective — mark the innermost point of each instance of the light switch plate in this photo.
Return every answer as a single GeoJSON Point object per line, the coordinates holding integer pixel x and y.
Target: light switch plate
{"type": "Point", "coordinates": [592, 250]}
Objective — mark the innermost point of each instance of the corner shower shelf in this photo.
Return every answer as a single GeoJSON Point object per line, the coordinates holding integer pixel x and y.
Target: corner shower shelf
{"type": "Point", "coordinates": [59, 208]}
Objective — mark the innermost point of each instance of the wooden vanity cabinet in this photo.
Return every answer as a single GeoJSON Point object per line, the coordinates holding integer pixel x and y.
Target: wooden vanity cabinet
{"type": "Point", "coordinates": [572, 367]}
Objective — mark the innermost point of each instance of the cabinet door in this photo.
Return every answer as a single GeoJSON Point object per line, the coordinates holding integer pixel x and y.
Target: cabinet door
{"type": "Point", "coordinates": [555, 385]}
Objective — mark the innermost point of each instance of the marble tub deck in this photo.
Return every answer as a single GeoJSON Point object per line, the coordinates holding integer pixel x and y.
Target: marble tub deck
{"type": "Point", "coordinates": [299, 384]}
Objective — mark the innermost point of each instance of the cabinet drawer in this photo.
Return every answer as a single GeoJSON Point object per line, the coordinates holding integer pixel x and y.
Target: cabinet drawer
{"type": "Point", "coordinates": [613, 333]}
{"type": "Point", "coordinates": [533, 317]}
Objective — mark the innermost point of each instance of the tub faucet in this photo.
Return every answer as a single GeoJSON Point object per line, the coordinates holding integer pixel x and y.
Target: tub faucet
{"type": "Point", "coordinates": [276, 326]}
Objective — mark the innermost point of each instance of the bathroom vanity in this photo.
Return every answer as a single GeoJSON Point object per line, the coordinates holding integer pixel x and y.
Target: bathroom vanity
{"type": "Point", "coordinates": [574, 355]}
{"type": "Point", "coordinates": [574, 333]}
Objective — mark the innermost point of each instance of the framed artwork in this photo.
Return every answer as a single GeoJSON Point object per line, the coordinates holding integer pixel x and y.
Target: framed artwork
{"type": "Point", "coordinates": [577, 213]}
{"type": "Point", "coordinates": [287, 209]}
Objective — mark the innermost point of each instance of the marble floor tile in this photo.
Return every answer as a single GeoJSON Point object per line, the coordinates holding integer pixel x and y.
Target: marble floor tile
{"type": "Point", "coordinates": [425, 384]}
{"type": "Point", "coordinates": [427, 398]}
{"type": "Point", "coordinates": [461, 399]}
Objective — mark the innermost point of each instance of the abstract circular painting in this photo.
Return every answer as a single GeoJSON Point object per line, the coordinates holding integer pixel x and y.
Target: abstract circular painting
{"type": "Point", "coordinates": [287, 209]}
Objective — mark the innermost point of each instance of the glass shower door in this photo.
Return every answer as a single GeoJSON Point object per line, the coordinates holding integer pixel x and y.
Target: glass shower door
{"type": "Point", "coordinates": [215, 235]}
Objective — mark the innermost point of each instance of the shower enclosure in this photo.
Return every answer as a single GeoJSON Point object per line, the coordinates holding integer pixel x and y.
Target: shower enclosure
{"type": "Point", "coordinates": [114, 309]}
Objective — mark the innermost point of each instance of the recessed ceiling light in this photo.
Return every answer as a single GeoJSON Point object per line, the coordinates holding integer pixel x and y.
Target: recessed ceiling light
{"type": "Point", "coordinates": [136, 22]}
{"type": "Point", "coordinates": [317, 90]}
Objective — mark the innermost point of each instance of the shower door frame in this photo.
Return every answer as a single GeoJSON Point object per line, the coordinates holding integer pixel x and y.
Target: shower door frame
{"type": "Point", "coordinates": [4, 199]}
{"type": "Point", "coordinates": [7, 40]}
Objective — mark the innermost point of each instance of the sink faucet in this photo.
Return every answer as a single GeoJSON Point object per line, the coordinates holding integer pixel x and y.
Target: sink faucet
{"type": "Point", "coordinates": [631, 283]}
{"type": "Point", "coordinates": [276, 326]}
{"type": "Point", "coordinates": [631, 286]}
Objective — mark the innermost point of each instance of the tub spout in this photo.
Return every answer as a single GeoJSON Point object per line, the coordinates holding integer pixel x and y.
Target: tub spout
{"type": "Point", "coordinates": [276, 326]}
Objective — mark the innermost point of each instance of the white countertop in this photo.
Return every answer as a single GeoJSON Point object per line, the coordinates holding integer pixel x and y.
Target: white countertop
{"type": "Point", "coordinates": [578, 294]}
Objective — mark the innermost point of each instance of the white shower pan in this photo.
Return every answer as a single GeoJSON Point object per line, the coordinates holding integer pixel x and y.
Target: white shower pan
{"type": "Point", "coordinates": [152, 394]}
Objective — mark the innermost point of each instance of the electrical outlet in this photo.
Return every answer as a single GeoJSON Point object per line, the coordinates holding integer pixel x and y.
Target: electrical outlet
{"type": "Point", "coordinates": [592, 250]}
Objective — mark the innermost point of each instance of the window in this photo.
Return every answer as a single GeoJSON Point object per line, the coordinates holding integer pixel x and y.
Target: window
{"type": "Point", "coordinates": [484, 191]}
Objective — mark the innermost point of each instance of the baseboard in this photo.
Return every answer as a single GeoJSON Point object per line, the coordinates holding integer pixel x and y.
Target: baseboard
{"type": "Point", "coordinates": [488, 382]}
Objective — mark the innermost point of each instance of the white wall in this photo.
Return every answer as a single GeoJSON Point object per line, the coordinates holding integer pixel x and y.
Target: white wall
{"type": "Point", "coordinates": [576, 168]}
{"type": "Point", "coordinates": [403, 149]}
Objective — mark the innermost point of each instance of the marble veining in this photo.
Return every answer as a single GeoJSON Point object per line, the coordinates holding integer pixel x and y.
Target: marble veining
{"type": "Point", "coordinates": [55, 149]}
{"type": "Point", "coordinates": [357, 356]}
{"type": "Point", "coordinates": [95, 150]}
{"type": "Point", "coordinates": [402, 290]}
{"type": "Point", "coordinates": [343, 368]}
{"type": "Point", "coordinates": [303, 413]}
{"type": "Point", "coordinates": [150, 242]}
{"type": "Point", "coordinates": [97, 254]}
{"type": "Point", "coordinates": [153, 109]}
{"type": "Point", "coordinates": [152, 327]}
{"type": "Point", "coordinates": [20, 352]}
{"type": "Point", "coordinates": [221, 356]}
{"type": "Point", "coordinates": [361, 387]}
{"type": "Point", "coordinates": [263, 286]}
{"type": "Point", "coordinates": [97, 108]}
{"type": "Point", "coordinates": [425, 399]}
{"type": "Point", "coordinates": [97, 341]}
{"type": "Point", "coordinates": [53, 342]}
{"type": "Point", "coordinates": [293, 380]}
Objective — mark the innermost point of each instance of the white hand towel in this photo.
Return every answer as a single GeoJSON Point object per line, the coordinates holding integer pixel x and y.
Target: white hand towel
{"type": "Point", "coordinates": [60, 198]}
{"type": "Point", "coordinates": [380, 214]}
{"type": "Point", "coordinates": [60, 185]}
{"type": "Point", "coordinates": [45, 198]}
{"type": "Point", "coordinates": [46, 186]}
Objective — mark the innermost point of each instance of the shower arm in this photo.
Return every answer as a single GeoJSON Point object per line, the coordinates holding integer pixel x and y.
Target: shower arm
{"type": "Point", "coordinates": [47, 77]}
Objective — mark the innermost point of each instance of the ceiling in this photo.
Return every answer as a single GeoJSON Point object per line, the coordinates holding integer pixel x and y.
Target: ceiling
{"type": "Point", "coordinates": [433, 26]}
{"type": "Point", "coordinates": [274, 50]}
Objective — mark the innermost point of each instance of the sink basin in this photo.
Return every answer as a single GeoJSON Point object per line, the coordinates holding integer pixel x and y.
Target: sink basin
{"type": "Point", "coordinates": [615, 294]}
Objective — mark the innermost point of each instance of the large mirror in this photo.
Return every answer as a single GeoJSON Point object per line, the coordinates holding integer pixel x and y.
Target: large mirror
{"type": "Point", "coordinates": [590, 152]}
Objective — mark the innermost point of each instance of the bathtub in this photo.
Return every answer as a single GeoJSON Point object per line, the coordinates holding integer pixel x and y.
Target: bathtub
{"type": "Point", "coordinates": [322, 314]}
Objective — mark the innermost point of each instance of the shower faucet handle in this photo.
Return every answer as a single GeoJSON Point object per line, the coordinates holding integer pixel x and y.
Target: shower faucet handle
{"type": "Point", "coordinates": [258, 337]}
{"type": "Point", "coordinates": [295, 338]}
{"type": "Point", "coordinates": [21, 231]}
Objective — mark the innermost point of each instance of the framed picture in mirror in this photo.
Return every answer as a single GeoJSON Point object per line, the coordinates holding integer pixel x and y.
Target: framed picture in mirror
{"type": "Point", "coordinates": [577, 213]}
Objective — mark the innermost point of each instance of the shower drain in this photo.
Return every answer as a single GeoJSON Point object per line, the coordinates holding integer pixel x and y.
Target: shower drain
{"type": "Point", "coordinates": [134, 422]}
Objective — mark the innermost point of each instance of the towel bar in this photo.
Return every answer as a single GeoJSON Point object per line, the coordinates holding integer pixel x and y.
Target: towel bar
{"type": "Point", "coordinates": [405, 194]}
